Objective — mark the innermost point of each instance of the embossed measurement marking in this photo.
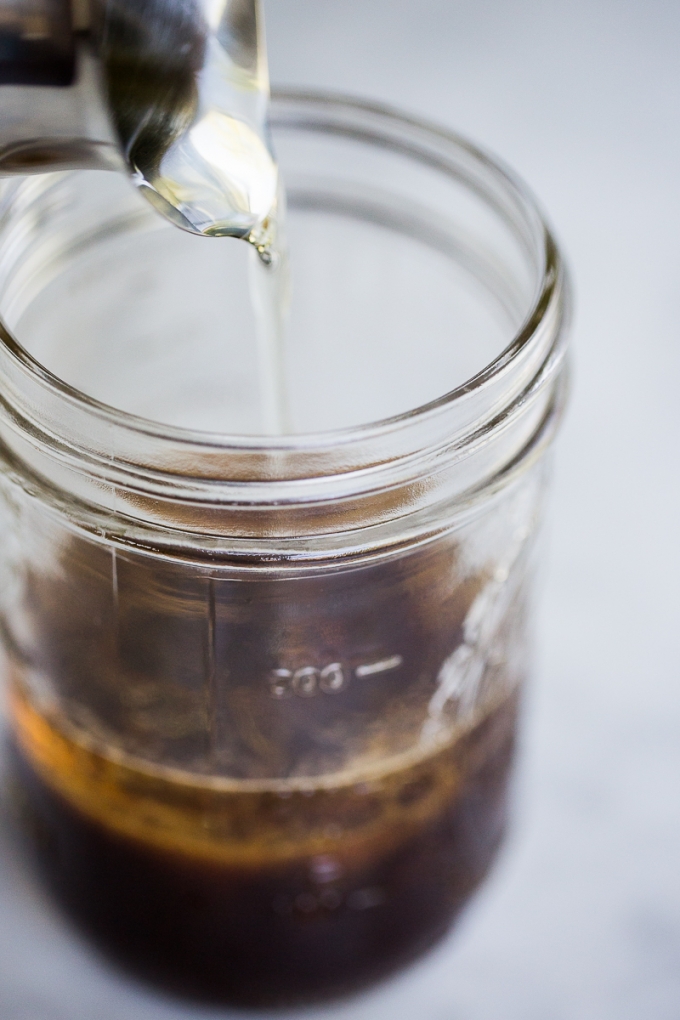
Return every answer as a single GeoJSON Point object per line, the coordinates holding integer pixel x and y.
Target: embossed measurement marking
{"type": "Point", "coordinates": [378, 667]}
{"type": "Point", "coordinates": [308, 681]}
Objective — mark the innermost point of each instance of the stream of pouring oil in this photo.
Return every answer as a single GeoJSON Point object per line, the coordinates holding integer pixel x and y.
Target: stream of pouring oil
{"type": "Point", "coordinates": [190, 97]}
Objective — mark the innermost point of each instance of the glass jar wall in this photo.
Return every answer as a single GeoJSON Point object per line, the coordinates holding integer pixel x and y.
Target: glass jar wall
{"type": "Point", "coordinates": [263, 690]}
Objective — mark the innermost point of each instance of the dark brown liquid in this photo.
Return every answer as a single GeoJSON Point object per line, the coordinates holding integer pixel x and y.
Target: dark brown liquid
{"type": "Point", "coordinates": [232, 781]}
{"type": "Point", "coordinates": [265, 895]}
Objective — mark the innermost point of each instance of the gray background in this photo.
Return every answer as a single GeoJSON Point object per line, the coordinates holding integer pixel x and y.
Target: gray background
{"type": "Point", "coordinates": [582, 916]}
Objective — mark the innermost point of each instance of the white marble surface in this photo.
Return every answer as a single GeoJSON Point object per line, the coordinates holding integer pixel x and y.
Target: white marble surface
{"type": "Point", "coordinates": [581, 920]}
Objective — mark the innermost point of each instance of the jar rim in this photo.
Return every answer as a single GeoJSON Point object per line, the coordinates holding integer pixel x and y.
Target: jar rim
{"type": "Point", "coordinates": [306, 486]}
{"type": "Point", "coordinates": [311, 441]}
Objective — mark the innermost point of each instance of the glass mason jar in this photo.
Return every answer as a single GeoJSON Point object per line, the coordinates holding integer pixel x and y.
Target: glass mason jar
{"type": "Point", "coordinates": [263, 690]}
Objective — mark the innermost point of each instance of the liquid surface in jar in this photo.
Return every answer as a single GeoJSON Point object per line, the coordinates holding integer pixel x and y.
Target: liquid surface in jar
{"type": "Point", "coordinates": [264, 892]}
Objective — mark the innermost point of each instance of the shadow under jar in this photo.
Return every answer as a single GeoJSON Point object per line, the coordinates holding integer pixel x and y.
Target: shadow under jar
{"type": "Point", "coordinates": [263, 690]}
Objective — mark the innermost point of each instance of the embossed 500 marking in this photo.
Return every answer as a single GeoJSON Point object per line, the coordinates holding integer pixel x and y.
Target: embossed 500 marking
{"type": "Point", "coordinates": [309, 681]}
